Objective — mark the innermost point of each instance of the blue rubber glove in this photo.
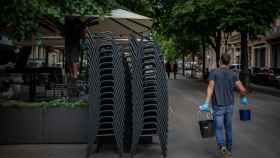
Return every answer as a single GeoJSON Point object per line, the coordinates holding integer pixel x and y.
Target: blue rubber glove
{"type": "Point", "coordinates": [204, 107]}
{"type": "Point", "coordinates": [243, 100]}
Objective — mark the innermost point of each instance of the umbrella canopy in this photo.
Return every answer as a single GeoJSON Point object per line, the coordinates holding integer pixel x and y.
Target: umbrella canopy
{"type": "Point", "coordinates": [122, 23]}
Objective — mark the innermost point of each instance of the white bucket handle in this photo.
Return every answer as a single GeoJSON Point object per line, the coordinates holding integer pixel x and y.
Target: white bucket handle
{"type": "Point", "coordinates": [208, 116]}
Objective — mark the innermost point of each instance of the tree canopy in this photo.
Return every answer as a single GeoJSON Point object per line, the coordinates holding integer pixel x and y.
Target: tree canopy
{"type": "Point", "coordinates": [22, 18]}
{"type": "Point", "coordinates": [252, 16]}
{"type": "Point", "coordinates": [143, 7]}
{"type": "Point", "coordinates": [211, 18]}
{"type": "Point", "coordinates": [183, 22]}
{"type": "Point", "coordinates": [168, 47]}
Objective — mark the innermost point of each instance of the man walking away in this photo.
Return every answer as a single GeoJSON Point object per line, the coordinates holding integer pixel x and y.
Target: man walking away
{"type": "Point", "coordinates": [168, 68]}
{"type": "Point", "coordinates": [220, 91]}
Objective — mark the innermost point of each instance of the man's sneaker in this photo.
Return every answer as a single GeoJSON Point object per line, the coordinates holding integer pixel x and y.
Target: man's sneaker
{"type": "Point", "coordinates": [224, 152]}
{"type": "Point", "coordinates": [223, 149]}
{"type": "Point", "coordinates": [229, 150]}
{"type": "Point", "coordinates": [229, 153]}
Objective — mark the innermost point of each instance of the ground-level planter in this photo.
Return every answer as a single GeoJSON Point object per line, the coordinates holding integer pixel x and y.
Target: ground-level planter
{"type": "Point", "coordinates": [43, 125]}
{"type": "Point", "coordinates": [56, 125]}
{"type": "Point", "coordinates": [21, 125]}
{"type": "Point", "coordinates": [66, 125]}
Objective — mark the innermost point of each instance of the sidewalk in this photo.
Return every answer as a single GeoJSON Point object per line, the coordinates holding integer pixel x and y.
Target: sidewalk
{"type": "Point", "coordinates": [257, 138]}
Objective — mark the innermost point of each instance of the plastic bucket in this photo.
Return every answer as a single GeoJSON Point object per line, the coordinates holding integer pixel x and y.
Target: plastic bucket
{"type": "Point", "coordinates": [206, 126]}
{"type": "Point", "coordinates": [245, 114]}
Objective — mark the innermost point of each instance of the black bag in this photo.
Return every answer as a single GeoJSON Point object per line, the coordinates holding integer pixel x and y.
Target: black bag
{"type": "Point", "coordinates": [206, 126]}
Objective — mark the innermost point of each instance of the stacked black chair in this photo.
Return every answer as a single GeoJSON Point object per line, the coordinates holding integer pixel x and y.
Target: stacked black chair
{"type": "Point", "coordinates": [137, 93]}
{"type": "Point", "coordinates": [163, 100]}
{"type": "Point", "coordinates": [127, 92]}
{"type": "Point", "coordinates": [149, 93]}
{"type": "Point", "coordinates": [128, 97]}
{"type": "Point", "coordinates": [106, 90]}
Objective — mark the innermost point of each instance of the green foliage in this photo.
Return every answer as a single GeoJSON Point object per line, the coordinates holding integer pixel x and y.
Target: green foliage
{"type": "Point", "coordinates": [176, 20]}
{"type": "Point", "coordinates": [44, 104]}
{"type": "Point", "coordinates": [199, 18]}
{"type": "Point", "coordinates": [187, 43]}
{"type": "Point", "coordinates": [143, 7]}
{"type": "Point", "coordinates": [66, 103]}
{"type": "Point", "coordinates": [195, 17]}
{"type": "Point", "coordinates": [209, 16]}
{"type": "Point", "coordinates": [252, 16]}
{"type": "Point", "coordinates": [162, 14]}
{"type": "Point", "coordinates": [187, 21]}
{"type": "Point", "coordinates": [167, 45]}
{"type": "Point", "coordinates": [22, 17]}
{"type": "Point", "coordinates": [169, 50]}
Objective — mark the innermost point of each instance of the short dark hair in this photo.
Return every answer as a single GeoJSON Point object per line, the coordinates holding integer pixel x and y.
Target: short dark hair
{"type": "Point", "coordinates": [225, 58]}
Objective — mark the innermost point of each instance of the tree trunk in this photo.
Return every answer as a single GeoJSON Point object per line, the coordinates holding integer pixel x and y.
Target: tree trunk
{"type": "Point", "coordinates": [218, 55]}
{"type": "Point", "coordinates": [203, 57]}
{"type": "Point", "coordinates": [22, 58]}
{"type": "Point", "coordinates": [32, 86]}
{"type": "Point", "coordinates": [192, 66]}
{"type": "Point", "coordinates": [47, 58]}
{"type": "Point", "coordinates": [218, 48]}
{"type": "Point", "coordinates": [226, 41]}
{"type": "Point", "coordinates": [183, 66]}
{"type": "Point", "coordinates": [72, 51]}
{"type": "Point", "coordinates": [81, 61]}
{"type": "Point", "coordinates": [244, 75]}
{"type": "Point", "coordinates": [72, 39]}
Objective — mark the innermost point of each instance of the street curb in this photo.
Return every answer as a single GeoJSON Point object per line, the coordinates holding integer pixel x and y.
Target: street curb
{"type": "Point", "coordinates": [266, 90]}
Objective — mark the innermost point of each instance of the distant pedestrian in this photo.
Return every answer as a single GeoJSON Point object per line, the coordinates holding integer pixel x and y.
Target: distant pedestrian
{"type": "Point", "coordinates": [168, 68]}
{"type": "Point", "coordinates": [175, 69]}
{"type": "Point", "coordinates": [221, 93]}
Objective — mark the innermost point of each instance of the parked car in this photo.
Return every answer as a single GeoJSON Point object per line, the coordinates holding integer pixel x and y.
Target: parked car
{"type": "Point", "coordinates": [190, 65]}
{"type": "Point", "coordinates": [277, 84]}
{"type": "Point", "coordinates": [276, 71]}
{"type": "Point", "coordinates": [266, 77]}
{"type": "Point", "coordinates": [180, 64]}
{"type": "Point", "coordinates": [235, 66]}
{"type": "Point", "coordinates": [263, 79]}
{"type": "Point", "coordinates": [237, 69]}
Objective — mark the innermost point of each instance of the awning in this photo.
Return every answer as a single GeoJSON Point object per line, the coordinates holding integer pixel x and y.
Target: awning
{"type": "Point", "coordinates": [273, 39]}
{"type": "Point", "coordinates": [122, 23]}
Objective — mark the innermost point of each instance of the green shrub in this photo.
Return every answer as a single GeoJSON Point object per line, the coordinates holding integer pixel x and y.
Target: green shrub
{"type": "Point", "coordinates": [67, 103]}
{"type": "Point", "coordinates": [43, 104]}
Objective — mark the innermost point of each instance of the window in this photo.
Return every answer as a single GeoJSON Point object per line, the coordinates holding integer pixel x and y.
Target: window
{"type": "Point", "coordinates": [275, 29]}
{"type": "Point", "coordinates": [249, 56]}
{"type": "Point", "coordinates": [260, 57]}
{"type": "Point", "coordinates": [275, 56]}
{"type": "Point", "coordinates": [53, 59]}
{"type": "Point", "coordinates": [238, 49]}
{"type": "Point", "coordinates": [238, 59]}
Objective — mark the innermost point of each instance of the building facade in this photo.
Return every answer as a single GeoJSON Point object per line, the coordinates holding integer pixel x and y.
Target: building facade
{"type": "Point", "coordinates": [263, 52]}
{"type": "Point", "coordinates": [45, 57]}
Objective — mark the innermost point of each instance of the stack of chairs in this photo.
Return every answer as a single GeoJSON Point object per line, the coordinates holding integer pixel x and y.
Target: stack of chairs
{"type": "Point", "coordinates": [128, 98]}
{"type": "Point", "coordinates": [149, 93]}
{"type": "Point", "coordinates": [127, 92]}
{"type": "Point", "coordinates": [106, 90]}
